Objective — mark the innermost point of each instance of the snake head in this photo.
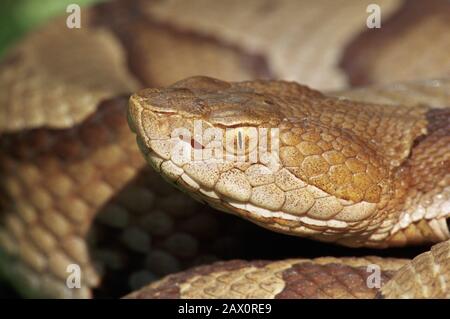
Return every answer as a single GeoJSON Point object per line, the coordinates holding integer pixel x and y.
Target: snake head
{"type": "Point", "coordinates": [279, 154]}
{"type": "Point", "coordinates": [199, 128]}
{"type": "Point", "coordinates": [203, 121]}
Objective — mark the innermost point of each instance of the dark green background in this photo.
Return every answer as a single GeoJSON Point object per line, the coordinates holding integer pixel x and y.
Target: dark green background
{"type": "Point", "coordinates": [19, 16]}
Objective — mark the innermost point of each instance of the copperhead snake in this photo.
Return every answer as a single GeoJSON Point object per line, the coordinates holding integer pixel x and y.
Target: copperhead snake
{"type": "Point", "coordinates": [360, 167]}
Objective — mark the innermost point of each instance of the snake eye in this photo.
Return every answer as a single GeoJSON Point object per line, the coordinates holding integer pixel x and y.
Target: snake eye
{"type": "Point", "coordinates": [241, 141]}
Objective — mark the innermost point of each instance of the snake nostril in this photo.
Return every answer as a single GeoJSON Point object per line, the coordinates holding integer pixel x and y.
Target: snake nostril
{"type": "Point", "coordinates": [448, 223]}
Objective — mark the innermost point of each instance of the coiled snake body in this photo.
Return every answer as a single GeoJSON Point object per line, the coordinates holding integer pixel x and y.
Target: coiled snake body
{"type": "Point", "coordinates": [365, 167]}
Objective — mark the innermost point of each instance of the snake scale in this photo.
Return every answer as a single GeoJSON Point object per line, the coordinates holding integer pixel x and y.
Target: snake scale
{"type": "Point", "coordinates": [366, 163]}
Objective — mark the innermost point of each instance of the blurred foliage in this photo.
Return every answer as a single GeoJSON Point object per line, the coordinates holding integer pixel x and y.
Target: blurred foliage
{"type": "Point", "coordinates": [19, 16]}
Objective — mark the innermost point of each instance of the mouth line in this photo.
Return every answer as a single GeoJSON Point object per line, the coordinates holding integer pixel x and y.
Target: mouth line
{"type": "Point", "coordinates": [257, 213]}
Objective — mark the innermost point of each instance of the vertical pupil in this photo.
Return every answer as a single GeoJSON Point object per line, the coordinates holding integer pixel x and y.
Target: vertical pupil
{"type": "Point", "coordinates": [240, 143]}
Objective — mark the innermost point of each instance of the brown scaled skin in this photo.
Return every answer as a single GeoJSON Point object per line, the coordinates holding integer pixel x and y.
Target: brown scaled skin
{"type": "Point", "coordinates": [42, 87]}
{"type": "Point", "coordinates": [426, 276]}
{"type": "Point", "coordinates": [288, 279]}
{"type": "Point", "coordinates": [355, 173]}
